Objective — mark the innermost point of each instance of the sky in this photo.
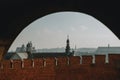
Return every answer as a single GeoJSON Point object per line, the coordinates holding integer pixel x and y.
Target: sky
{"type": "Point", "coordinates": [51, 31]}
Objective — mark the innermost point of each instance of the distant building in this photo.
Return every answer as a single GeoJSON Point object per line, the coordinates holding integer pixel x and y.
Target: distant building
{"type": "Point", "coordinates": [28, 48]}
{"type": "Point", "coordinates": [108, 50]}
{"type": "Point", "coordinates": [67, 52]}
{"type": "Point", "coordinates": [29, 52]}
{"type": "Point", "coordinates": [97, 51]}
{"type": "Point", "coordinates": [21, 49]}
{"type": "Point", "coordinates": [19, 56]}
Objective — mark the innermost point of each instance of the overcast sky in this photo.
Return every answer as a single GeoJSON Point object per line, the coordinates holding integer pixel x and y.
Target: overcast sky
{"type": "Point", "coordinates": [51, 31]}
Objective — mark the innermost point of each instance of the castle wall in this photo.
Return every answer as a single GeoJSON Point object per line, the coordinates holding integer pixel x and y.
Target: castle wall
{"type": "Point", "coordinates": [100, 59]}
{"type": "Point", "coordinates": [62, 68]}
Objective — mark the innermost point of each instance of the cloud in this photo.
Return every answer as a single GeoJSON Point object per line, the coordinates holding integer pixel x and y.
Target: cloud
{"type": "Point", "coordinates": [73, 29]}
{"type": "Point", "coordinates": [79, 28]}
{"type": "Point", "coordinates": [83, 27]}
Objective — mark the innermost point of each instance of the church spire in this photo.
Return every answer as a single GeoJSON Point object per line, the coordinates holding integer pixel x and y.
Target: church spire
{"type": "Point", "coordinates": [67, 45]}
{"type": "Point", "coordinates": [68, 39]}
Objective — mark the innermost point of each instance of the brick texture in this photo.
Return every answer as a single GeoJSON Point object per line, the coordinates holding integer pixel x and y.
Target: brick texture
{"type": "Point", "coordinates": [46, 69]}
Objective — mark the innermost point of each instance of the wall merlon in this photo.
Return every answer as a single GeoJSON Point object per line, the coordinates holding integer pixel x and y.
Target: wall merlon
{"type": "Point", "coordinates": [100, 59]}
{"type": "Point", "coordinates": [17, 64]}
{"type": "Point", "coordinates": [62, 61]}
{"type": "Point", "coordinates": [87, 59]}
{"type": "Point", "coordinates": [114, 59]}
{"type": "Point", "coordinates": [50, 61]}
{"type": "Point", "coordinates": [74, 60]}
{"type": "Point", "coordinates": [28, 63]}
{"type": "Point", "coordinates": [38, 63]}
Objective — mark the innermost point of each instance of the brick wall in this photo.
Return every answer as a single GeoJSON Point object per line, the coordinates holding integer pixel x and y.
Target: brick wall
{"type": "Point", "coordinates": [86, 59]}
{"type": "Point", "coordinates": [62, 68]}
{"type": "Point", "coordinates": [100, 59]}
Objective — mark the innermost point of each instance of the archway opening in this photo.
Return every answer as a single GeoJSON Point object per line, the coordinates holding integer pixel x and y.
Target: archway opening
{"type": "Point", "coordinates": [49, 34]}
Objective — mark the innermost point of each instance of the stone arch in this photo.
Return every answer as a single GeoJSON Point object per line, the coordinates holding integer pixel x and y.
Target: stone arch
{"type": "Point", "coordinates": [31, 14]}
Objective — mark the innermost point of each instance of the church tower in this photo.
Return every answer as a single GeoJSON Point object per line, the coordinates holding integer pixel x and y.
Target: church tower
{"type": "Point", "coordinates": [29, 50]}
{"type": "Point", "coordinates": [67, 50]}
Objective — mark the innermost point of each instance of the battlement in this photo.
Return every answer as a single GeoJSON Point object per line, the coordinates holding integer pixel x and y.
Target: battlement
{"type": "Point", "coordinates": [60, 61]}
{"type": "Point", "coordinates": [95, 67]}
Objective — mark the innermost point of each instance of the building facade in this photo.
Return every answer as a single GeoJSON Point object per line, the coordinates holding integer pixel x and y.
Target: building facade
{"type": "Point", "coordinates": [29, 52]}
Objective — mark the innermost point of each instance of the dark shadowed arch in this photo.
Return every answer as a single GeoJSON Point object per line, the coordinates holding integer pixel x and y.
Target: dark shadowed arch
{"type": "Point", "coordinates": [16, 15]}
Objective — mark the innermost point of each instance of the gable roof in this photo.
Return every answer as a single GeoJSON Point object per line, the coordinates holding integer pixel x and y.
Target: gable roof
{"type": "Point", "coordinates": [19, 56]}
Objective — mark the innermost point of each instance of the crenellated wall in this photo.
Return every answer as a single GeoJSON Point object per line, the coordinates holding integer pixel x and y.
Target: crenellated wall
{"type": "Point", "coordinates": [62, 68]}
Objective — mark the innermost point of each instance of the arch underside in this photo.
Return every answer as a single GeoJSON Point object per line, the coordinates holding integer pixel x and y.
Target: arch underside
{"type": "Point", "coordinates": [19, 15]}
